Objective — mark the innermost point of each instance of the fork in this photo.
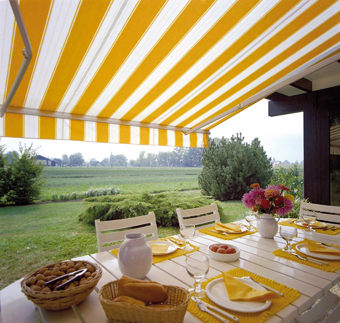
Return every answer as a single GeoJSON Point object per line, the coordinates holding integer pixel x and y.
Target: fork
{"type": "Point", "coordinates": [327, 245]}
{"type": "Point", "coordinates": [226, 234]}
{"type": "Point", "coordinates": [315, 261]}
{"type": "Point", "coordinates": [263, 285]}
{"type": "Point", "coordinates": [175, 245]}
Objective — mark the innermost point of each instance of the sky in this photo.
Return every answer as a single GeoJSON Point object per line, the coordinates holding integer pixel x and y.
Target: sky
{"type": "Point", "coordinates": [281, 138]}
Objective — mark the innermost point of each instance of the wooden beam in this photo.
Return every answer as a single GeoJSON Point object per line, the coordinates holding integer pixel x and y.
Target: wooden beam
{"type": "Point", "coordinates": [303, 84]}
{"type": "Point", "coordinates": [276, 96]}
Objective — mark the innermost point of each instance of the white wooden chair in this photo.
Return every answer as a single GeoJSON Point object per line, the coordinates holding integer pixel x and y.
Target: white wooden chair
{"type": "Point", "coordinates": [112, 231]}
{"type": "Point", "coordinates": [325, 310]}
{"type": "Point", "coordinates": [326, 213]}
{"type": "Point", "coordinates": [203, 217]}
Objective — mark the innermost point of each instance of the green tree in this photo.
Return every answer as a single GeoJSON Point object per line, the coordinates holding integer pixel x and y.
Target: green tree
{"type": "Point", "coordinates": [231, 166]}
{"type": "Point", "coordinates": [65, 160]}
{"type": "Point", "coordinates": [22, 177]}
{"type": "Point", "coordinates": [77, 159]}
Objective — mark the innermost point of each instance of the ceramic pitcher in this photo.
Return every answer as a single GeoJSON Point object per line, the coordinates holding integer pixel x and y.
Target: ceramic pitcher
{"type": "Point", "coordinates": [135, 256]}
{"type": "Point", "coordinates": [267, 225]}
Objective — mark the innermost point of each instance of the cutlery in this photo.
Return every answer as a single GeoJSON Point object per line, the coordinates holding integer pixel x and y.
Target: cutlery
{"type": "Point", "coordinates": [291, 221]}
{"type": "Point", "coordinates": [204, 308]}
{"type": "Point", "coordinates": [318, 262]}
{"type": "Point", "coordinates": [327, 245]}
{"type": "Point", "coordinates": [335, 228]}
{"type": "Point", "coordinates": [77, 273]}
{"type": "Point", "coordinates": [263, 285]}
{"type": "Point", "coordinates": [226, 234]}
{"type": "Point", "coordinates": [175, 241]}
{"type": "Point", "coordinates": [175, 244]}
{"type": "Point", "coordinates": [328, 227]}
{"type": "Point", "coordinates": [195, 299]}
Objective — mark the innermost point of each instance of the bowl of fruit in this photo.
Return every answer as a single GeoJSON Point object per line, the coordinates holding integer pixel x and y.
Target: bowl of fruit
{"type": "Point", "coordinates": [224, 252]}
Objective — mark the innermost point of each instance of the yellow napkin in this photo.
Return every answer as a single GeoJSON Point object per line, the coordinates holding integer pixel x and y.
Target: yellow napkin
{"type": "Point", "coordinates": [159, 249]}
{"type": "Point", "coordinates": [315, 225]}
{"type": "Point", "coordinates": [318, 248]}
{"type": "Point", "coordinates": [238, 291]}
{"type": "Point", "coordinates": [227, 227]}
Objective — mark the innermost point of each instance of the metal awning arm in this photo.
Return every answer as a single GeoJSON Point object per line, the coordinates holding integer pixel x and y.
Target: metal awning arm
{"type": "Point", "coordinates": [27, 52]}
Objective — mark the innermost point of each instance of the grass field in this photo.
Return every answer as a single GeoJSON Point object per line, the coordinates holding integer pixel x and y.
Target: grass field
{"type": "Point", "coordinates": [64, 180]}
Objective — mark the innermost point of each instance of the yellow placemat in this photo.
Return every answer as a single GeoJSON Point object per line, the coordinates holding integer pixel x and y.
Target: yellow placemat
{"type": "Point", "coordinates": [160, 258]}
{"type": "Point", "coordinates": [290, 295]}
{"type": "Point", "coordinates": [333, 266]}
{"type": "Point", "coordinates": [230, 236]}
{"type": "Point", "coordinates": [292, 224]}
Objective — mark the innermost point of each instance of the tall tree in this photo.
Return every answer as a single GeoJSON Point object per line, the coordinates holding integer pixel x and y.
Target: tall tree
{"type": "Point", "coordinates": [231, 166]}
{"type": "Point", "coordinates": [77, 159]}
{"type": "Point", "coordinates": [65, 160]}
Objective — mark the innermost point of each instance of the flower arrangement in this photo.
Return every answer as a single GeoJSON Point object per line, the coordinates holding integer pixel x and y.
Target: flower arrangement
{"type": "Point", "coordinates": [272, 200]}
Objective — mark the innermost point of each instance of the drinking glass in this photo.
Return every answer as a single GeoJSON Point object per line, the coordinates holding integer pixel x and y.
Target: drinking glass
{"type": "Point", "coordinates": [310, 219]}
{"type": "Point", "coordinates": [288, 234]}
{"type": "Point", "coordinates": [250, 218]}
{"type": "Point", "coordinates": [187, 231]}
{"type": "Point", "coordinates": [197, 266]}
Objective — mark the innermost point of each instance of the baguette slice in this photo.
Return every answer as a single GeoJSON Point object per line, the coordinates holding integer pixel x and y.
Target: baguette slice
{"type": "Point", "coordinates": [145, 291]}
{"type": "Point", "coordinates": [127, 299]}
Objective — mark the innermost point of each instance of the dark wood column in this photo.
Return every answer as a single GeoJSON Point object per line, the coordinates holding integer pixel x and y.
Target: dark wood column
{"type": "Point", "coordinates": [317, 108]}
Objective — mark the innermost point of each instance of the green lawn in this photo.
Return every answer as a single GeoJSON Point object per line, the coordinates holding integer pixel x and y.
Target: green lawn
{"type": "Point", "coordinates": [35, 235]}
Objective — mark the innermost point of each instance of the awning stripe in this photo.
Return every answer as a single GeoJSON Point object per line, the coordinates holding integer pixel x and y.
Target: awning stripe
{"type": "Point", "coordinates": [34, 127]}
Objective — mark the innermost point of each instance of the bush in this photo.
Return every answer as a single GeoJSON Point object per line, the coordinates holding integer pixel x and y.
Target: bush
{"type": "Point", "coordinates": [290, 177]}
{"type": "Point", "coordinates": [21, 178]}
{"type": "Point", "coordinates": [131, 205]}
{"type": "Point", "coordinates": [86, 194]}
{"type": "Point", "coordinates": [231, 166]}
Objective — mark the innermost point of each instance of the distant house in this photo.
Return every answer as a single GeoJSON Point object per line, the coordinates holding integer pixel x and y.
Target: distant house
{"type": "Point", "coordinates": [46, 161]}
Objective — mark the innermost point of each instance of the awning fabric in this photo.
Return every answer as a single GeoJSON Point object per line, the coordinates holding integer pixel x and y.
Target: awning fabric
{"type": "Point", "coordinates": [155, 72]}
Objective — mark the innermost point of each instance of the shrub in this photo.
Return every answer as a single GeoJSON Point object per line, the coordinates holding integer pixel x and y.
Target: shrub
{"type": "Point", "coordinates": [20, 179]}
{"type": "Point", "coordinates": [131, 205]}
{"type": "Point", "coordinates": [290, 177]}
{"type": "Point", "coordinates": [231, 166]}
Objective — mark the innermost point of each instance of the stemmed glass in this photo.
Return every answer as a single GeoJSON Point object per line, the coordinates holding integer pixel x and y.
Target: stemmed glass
{"type": "Point", "coordinates": [187, 231]}
{"type": "Point", "coordinates": [250, 218]}
{"type": "Point", "coordinates": [197, 266]}
{"type": "Point", "coordinates": [288, 234]}
{"type": "Point", "coordinates": [310, 219]}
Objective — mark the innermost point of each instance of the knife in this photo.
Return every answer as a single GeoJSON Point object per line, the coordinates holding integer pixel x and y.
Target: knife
{"type": "Point", "coordinates": [215, 309]}
{"type": "Point", "coordinates": [223, 233]}
{"type": "Point", "coordinates": [318, 262]}
{"type": "Point", "coordinates": [328, 227]}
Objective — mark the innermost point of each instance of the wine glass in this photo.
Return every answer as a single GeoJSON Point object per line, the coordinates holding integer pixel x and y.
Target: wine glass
{"type": "Point", "coordinates": [187, 231]}
{"type": "Point", "coordinates": [197, 266]}
{"type": "Point", "coordinates": [309, 219]}
{"type": "Point", "coordinates": [288, 234]}
{"type": "Point", "coordinates": [250, 218]}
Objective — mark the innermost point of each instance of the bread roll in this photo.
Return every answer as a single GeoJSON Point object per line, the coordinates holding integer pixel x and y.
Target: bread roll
{"type": "Point", "coordinates": [145, 291]}
{"type": "Point", "coordinates": [127, 299]}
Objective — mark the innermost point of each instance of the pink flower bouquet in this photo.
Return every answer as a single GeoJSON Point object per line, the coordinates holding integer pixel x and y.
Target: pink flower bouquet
{"type": "Point", "coordinates": [272, 200]}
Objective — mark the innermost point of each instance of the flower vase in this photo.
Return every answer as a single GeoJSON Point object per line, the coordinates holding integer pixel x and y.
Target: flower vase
{"type": "Point", "coordinates": [267, 225]}
{"type": "Point", "coordinates": [135, 256]}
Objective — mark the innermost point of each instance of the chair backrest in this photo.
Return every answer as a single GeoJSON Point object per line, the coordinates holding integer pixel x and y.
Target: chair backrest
{"type": "Point", "coordinates": [326, 213]}
{"type": "Point", "coordinates": [202, 216]}
{"type": "Point", "coordinates": [115, 230]}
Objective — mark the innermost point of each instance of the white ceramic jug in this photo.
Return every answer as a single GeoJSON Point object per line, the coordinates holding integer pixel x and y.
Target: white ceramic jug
{"type": "Point", "coordinates": [135, 256]}
{"type": "Point", "coordinates": [267, 225]}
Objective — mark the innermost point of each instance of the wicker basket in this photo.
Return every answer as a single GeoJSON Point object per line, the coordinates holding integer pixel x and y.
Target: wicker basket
{"type": "Point", "coordinates": [126, 312]}
{"type": "Point", "coordinates": [62, 299]}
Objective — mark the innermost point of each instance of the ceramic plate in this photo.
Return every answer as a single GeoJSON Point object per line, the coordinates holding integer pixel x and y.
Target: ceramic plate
{"type": "Point", "coordinates": [302, 247]}
{"type": "Point", "coordinates": [171, 248]}
{"type": "Point", "coordinates": [243, 229]}
{"type": "Point", "coordinates": [217, 292]}
{"type": "Point", "coordinates": [302, 223]}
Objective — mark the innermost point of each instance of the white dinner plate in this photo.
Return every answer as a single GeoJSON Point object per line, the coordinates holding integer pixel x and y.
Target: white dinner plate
{"type": "Point", "coordinates": [302, 247]}
{"type": "Point", "coordinates": [302, 223]}
{"type": "Point", "coordinates": [243, 229]}
{"type": "Point", "coordinates": [217, 292]}
{"type": "Point", "coordinates": [171, 247]}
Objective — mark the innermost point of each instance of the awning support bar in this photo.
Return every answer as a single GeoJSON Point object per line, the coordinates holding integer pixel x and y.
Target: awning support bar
{"type": "Point", "coordinates": [27, 52]}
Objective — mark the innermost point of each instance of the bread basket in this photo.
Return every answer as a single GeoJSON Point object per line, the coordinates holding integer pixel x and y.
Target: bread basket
{"type": "Point", "coordinates": [61, 299]}
{"type": "Point", "coordinates": [126, 312]}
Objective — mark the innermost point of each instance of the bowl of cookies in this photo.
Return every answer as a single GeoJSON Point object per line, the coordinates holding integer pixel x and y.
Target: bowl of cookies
{"type": "Point", "coordinates": [61, 285]}
{"type": "Point", "coordinates": [134, 300]}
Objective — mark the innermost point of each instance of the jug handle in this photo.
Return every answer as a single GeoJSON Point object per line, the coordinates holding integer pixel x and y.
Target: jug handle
{"type": "Point", "coordinates": [278, 218]}
{"type": "Point", "coordinates": [257, 216]}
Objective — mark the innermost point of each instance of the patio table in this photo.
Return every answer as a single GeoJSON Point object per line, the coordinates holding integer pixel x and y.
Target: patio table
{"type": "Point", "coordinates": [256, 257]}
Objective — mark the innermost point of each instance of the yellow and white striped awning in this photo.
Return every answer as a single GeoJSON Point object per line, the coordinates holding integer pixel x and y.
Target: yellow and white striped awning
{"type": "Point", "coordinates": [155, 72]}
